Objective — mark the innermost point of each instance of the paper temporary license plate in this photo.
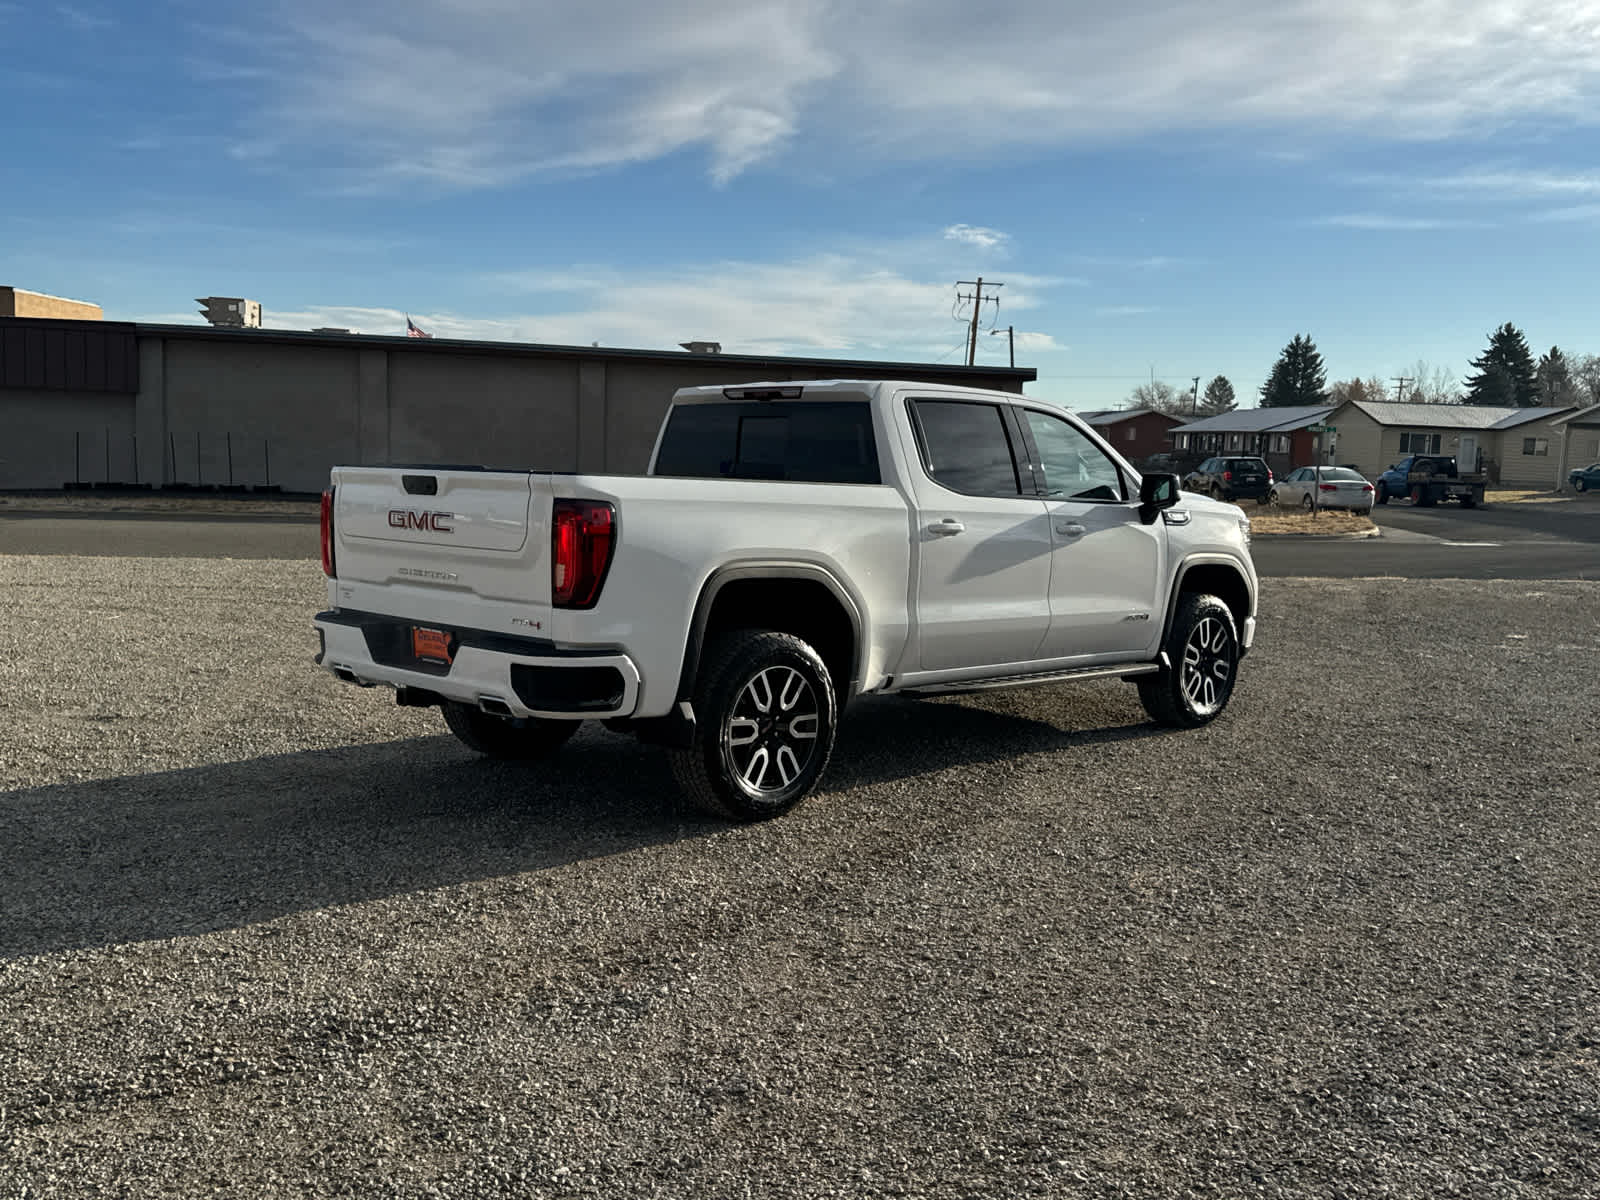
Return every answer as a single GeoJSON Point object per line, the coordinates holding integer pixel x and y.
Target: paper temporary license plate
{"type": "Point", "coordinates": [431, 645]}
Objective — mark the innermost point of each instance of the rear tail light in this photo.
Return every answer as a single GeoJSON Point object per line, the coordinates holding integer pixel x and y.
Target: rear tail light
{"type": "Point", "coordinates": [1269, 474]}
{"type": "Point", "coordinates": [582, 538]}
{"type": "Point", "coordinates": [1366, 487]}
{"type": "Point", "coordinates": [1227, 477]}
{"type": "Point", "coordinates": [327, 534]}
{"type": "Point", "coordinates": [1327, 487]}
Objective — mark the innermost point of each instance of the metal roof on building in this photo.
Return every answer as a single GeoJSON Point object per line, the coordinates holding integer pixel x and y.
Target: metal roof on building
{"type": "Point", "coordinates": [1110, 416]}
{"type": "Point", "coordinates": [756, 363]}
{"type": "Point", "coordinates": [1452, 416]}
{"type": "Point", "coordinates": [1258, 420]}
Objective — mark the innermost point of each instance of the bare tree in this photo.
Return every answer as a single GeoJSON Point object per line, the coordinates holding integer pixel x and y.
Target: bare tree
{"type": "Point", "coordinates": [1431, 385]}
{"type": "Point", "coordinates": [1345, 390]}
{"type": "Point", "coordinates": [1161, 396]}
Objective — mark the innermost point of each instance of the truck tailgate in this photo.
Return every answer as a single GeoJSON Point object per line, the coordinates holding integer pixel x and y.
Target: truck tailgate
{"type": "Point", "coordinates": [455, 546]}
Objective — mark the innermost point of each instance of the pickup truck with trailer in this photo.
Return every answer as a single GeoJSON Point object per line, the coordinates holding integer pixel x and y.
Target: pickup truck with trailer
{"type": "Point", "coordinates": [1429, 478]}
{"type": "Point", "coordinates": [792, 546]}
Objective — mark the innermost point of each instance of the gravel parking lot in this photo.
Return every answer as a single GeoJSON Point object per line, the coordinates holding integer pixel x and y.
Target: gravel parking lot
{"type": "Point", "coordinates": [263, 934]}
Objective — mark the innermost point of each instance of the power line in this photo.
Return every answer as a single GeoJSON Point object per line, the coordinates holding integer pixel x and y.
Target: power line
{"type": "Point", "coordinates": [977, 306]}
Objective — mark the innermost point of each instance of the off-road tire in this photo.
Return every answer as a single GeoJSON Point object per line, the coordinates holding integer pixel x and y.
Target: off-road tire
{"type": "Point", "coordinates": [1203, 649]}
{"type": "Point", "coordinates": [513, 739]}
{"type": "Point", "coordinates": [770, 693]}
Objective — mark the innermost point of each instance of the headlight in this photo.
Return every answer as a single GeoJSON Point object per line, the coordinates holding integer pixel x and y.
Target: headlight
{"type": "Point", "coordinates": [1244, 529]}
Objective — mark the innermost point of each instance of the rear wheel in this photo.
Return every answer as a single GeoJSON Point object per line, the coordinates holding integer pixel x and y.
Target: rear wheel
{"type": "Point", "coordinates": [1216, 493]}
{"type": "Point", "coordinates": [1307, 503]}
{"type": "Point", "coordinates": [765, 717]}
{"type": "Point", "coordinates": [1583, 484]}
{"type": "Point", "coordinates": [515, 739]}
{"type": "Point", "coordinates": [1202, 649]}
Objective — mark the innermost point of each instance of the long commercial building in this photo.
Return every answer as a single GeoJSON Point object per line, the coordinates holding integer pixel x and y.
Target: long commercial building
{"type": "Point", "coordinates": [87, 402]}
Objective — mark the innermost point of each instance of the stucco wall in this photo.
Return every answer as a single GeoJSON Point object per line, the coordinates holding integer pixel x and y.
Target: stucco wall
{"type": "Point", "coordinates": [38, 451]}
{"type": "Point", "coordinates": [252, 408]}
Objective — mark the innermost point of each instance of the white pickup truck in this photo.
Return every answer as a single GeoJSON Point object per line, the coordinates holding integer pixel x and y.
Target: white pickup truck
{"type": "Point", "coordinates": [793, 546]}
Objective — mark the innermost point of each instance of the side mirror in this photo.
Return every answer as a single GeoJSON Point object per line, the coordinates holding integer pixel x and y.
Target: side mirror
{"type": "Point", "coordinates": [1155, 493]}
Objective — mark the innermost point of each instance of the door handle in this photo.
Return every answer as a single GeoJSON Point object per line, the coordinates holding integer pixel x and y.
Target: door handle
{"type": "Point", "coordinates": [1071, 529]}
{"type": "Point", "coordinates": [948, 527]}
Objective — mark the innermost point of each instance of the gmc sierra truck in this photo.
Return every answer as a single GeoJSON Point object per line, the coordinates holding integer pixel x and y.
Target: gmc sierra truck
{"type": "Point", "coordinates": [792, 546]}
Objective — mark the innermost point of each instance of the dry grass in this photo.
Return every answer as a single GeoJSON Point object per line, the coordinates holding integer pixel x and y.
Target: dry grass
{"type": "Point", "coordinates": [1266, 519]}
{"type": "Point", "coordinates": [1523, 496]}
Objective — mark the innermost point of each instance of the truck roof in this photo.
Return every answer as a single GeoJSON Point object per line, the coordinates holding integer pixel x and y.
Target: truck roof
{"type": "Point", "coordinates": [825, 389]}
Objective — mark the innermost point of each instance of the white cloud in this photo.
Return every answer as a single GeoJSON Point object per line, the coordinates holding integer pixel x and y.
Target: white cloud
{"type": "Point", "coordinates": [1388, 223]}
{"type": "Point", "coordinates": [834, 305]}
{"type": "Point", "coordinates": [977, 235]}
{"type": "Point", "coordinates": [479, 92]}
{"type": "Point", "coordinates": [1125, 310]}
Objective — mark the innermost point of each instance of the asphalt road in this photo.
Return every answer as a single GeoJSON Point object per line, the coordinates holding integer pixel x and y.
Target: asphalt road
{"type": "Point", "coordinates": [1555, 541]}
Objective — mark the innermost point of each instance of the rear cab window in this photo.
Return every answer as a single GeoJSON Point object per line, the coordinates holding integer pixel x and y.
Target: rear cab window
{"type": "Point", "coordinates": [967, 446]}
{"type": "Point", "coordinates": [804, 441]}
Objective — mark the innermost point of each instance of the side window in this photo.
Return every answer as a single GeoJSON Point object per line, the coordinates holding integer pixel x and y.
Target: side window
{"type": "Point", "coordinates": [966, 448]}
{"type": "Point", "coordinates": [1074, 467]}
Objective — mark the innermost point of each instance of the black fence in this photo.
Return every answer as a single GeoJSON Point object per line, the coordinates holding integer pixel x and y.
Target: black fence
{"type": "Point", "coordinates": [190, 461]}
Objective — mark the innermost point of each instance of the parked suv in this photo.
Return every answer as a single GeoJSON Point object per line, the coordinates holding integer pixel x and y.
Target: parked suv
{"type": "Point", "coordinates": [1231, 479]}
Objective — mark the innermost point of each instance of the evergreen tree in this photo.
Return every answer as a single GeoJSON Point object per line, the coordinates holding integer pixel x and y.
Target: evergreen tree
{"type": "Point", "coordinates": [1505, 374]}
{"type": "Point", "coordinates": [1297, 377]}
{"type": "Point", "coordinates": [1553, 376]}
{"type": "Point", "coordinates": [1218, 398]}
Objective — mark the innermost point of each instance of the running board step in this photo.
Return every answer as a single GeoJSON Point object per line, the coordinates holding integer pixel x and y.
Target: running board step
{"type": "Point", "coordinates": [1126, 671]}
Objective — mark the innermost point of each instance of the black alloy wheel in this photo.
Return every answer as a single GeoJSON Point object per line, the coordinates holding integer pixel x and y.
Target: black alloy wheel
{"type": "Point", "coordinates": [1202, 649]}
{"type": "Point", "coordinates": [765, 719]}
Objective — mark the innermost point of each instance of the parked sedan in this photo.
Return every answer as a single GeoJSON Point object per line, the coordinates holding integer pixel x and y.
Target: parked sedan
{"type": "Point", "coordinates": [1585, 479]}
{"type": "Point", "coordinates": [1334, 487]}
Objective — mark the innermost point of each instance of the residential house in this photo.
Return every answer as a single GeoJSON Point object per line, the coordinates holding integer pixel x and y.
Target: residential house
{"type": "Point", "coordinates": [1579, 434]}
{"type": "Point", "coordinates": [1282, 436]}
{"type": "Point", "coordinates": [1518, 447]}
{"type": "Point", "coordinates": [1136, 433]}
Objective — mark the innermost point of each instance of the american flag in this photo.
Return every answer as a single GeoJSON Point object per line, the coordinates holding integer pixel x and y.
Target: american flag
{"type": "Point", "coordinates": [413, 331]}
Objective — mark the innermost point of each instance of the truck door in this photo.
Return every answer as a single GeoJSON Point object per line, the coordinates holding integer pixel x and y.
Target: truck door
{"type": "Point", "coordinates": [981, 539]}
{"type": "Point", "coordinates": [1106, 565]}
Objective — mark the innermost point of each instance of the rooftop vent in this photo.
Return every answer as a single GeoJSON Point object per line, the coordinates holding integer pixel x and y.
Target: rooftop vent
{"type": "Point", "coordinates": [702, 347]}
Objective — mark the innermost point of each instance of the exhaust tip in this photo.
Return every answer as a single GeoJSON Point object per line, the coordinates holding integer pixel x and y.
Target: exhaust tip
{"type": "Point", "coordinates": [494, 706]}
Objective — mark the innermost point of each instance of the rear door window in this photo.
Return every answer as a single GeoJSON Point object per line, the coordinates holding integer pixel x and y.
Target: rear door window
{"type": "Point", "coordinates": [814, 441]}
{"type": "Point", "coordinates": [966, 447]}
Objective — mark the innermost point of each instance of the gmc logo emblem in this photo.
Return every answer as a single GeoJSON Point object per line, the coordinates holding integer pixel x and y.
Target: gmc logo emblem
{"type": "Point", "coordinates": [436, 522]}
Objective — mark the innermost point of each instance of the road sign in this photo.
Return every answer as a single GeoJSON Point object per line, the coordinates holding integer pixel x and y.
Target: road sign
{"type": "Point", "coordinates": [1322, 428]}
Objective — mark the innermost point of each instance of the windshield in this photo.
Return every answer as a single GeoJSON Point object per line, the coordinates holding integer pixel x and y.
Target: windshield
{"type": "Point", "coordinates": [1342, 473]}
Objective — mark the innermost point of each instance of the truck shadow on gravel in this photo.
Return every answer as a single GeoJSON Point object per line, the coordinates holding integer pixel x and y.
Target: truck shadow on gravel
{"type": "Point", "coordinates": [184, 852]}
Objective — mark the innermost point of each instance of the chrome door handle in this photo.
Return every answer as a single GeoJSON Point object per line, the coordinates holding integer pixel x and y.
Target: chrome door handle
{"type": "Point", "coordinates": [1071, 529]}
{"type": "Point", "coordinates": [948, 527]}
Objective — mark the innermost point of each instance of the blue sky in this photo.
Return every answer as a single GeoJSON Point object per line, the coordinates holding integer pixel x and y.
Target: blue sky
{"type": "Point", "coordinates": [1164, 188]}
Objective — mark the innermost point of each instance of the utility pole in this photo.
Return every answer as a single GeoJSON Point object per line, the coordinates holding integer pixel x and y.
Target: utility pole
{"type": "Point", "coordinates": [977, 305]}
{"type": "Point", "coordinates": [1194, 397]}
{"type": "Point", "coordinates": [1011, 341]}
{"type": "Point", "coordinates": [1400, 382]}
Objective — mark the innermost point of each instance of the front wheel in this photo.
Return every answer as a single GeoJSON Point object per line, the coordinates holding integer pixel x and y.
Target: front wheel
{"type": "Point", "coordinates": [1307, 503]}
{"type": "Point", "coordinates": [511, 738]}
{"type": "Point", "coordinates": [1202, 651]}
{"type": "Point", "coordinates": [765, 717]}
{"type": "Point", "coordinates": [1583, 485]}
